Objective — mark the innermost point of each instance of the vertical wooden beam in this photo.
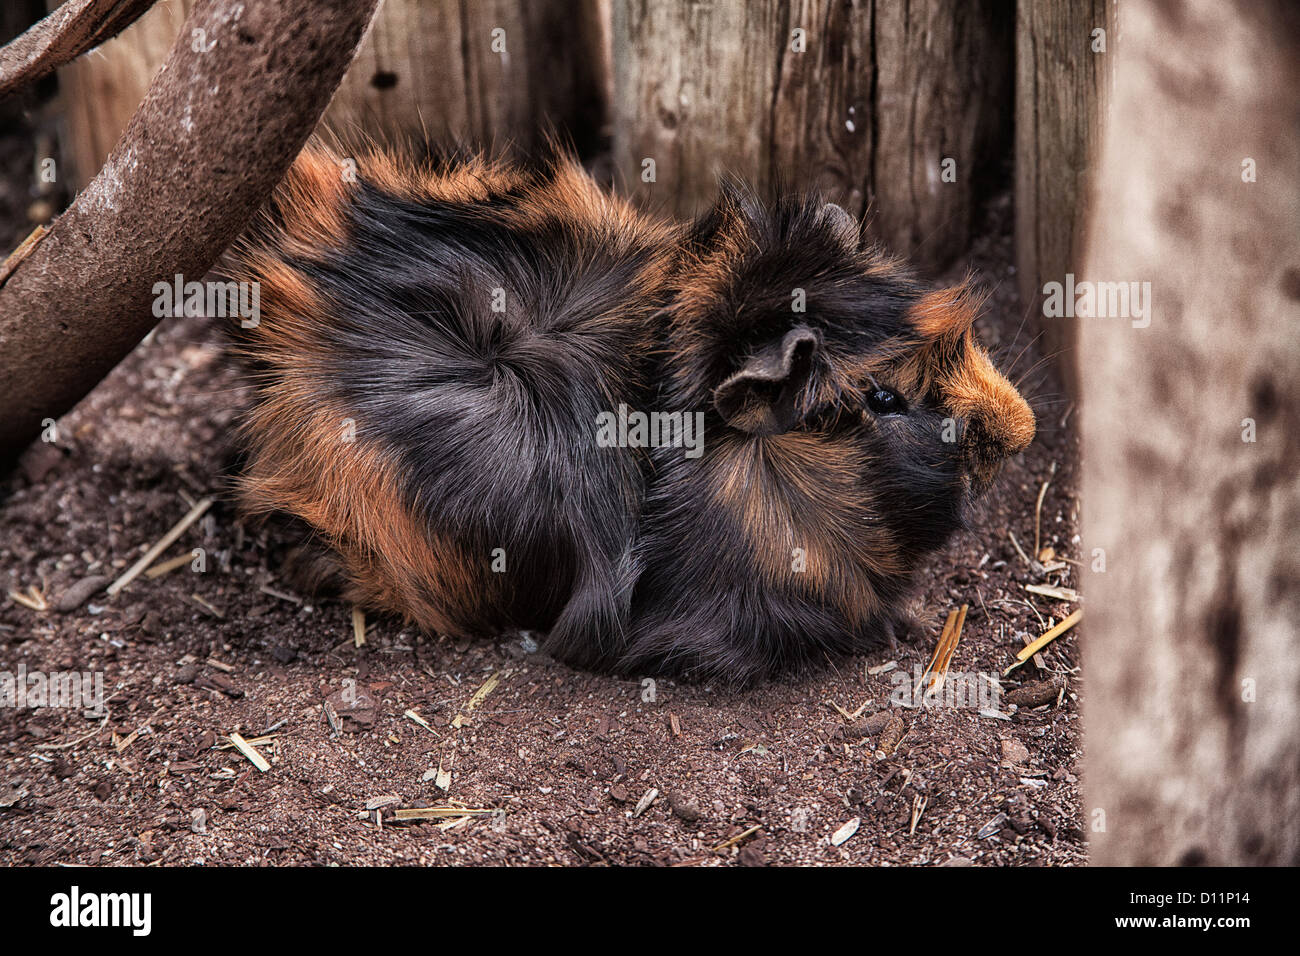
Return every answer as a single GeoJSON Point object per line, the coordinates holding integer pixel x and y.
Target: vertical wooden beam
{"type": "Point", "coordinates": [427, 67]}
{"type": "Point", "coordinates": [823, 127]}
{"type": "Point", "coordinates": [1191, 444]}
{"type": "Point", "coordinates": [944, 80]}
{"type": "Point", "coordinates": [1060, 100]}
{"type": "Point", "coordinates": [865, 102]}
{"type": "Point", "coordinates": [693, 88]}
{"type": "Point", "coordinates": [482, 72]}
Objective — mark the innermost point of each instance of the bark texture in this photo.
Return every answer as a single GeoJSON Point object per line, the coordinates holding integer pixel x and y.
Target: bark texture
{"type": "Point", "coordinates": [1061, 91]}
{"type": "Point", "coordinates": [216, 131]}
{"type": "Point", "coordinates": [433, 68]}
{"type": "Point", "coordinates": [1192, 657]}
{"type": "Point", "coordinates": [880, 96]}
{"type": "Point", "coordinates": [65, 34]}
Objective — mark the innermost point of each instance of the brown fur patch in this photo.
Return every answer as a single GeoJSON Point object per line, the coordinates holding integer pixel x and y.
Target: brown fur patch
{"type": "Point", "coordinates": [952, 362]}
{"type": "Point", "coordinates": [352, 493]}
{"type": "Point", "coordinates": [290, 306]}
{"type": "Point", "coordinates": [975, 390]}
{"type": "Point", "coordinates": [311, 197]}
{"type": "Point", "coordinates": [783, 490]}
{"type": "Point", "coordinates": [946, 314]}
{"type": "Point", "coordinates": [473, 180]}
{"type": "Point", "coordinates": [349, 492]}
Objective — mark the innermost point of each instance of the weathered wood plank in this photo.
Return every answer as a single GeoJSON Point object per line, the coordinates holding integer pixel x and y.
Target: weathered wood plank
{"type": "Point", "coordinates": [1191, 438]}
{"type": "Point", "coordinates": [945, 80]}
{"type": "Point", "coordinates": [1062, 74]}
{"type": "Point", "coordinates": [493, 71]}
{"type": "Point", "coordinates": [862, 100]}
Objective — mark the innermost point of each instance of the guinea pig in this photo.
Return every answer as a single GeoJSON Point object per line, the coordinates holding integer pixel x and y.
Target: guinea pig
{"type": "Point", "coordinates": [438, 345]}
{"type": "Point", "coordinates": [850, 418]}
{"type": "Point", "coordinates": [435, 343]}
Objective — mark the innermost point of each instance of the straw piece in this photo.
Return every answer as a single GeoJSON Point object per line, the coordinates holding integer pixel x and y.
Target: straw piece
{"type": "Point", "coordinates": [165, 542]}
{"type": "Point", "coordinates": [1050, 636]}
{"type": "Point", "coordinates": [249, 751]}
{"type": "Point", "coordinates": [167, 567]}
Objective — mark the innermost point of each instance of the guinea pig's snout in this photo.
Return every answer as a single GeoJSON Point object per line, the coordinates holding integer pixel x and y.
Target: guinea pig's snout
{"type": "Point", "coordinates": [998, 421]}
{"type": "Point", "coordinates": [981, 457]}
{"type": "Point", "coordinates": [1000, 429]}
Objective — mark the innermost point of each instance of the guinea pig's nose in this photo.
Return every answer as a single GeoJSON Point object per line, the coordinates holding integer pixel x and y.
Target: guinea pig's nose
{"type": "Point", "coordinates": [998, 420]}
{"type": "Point", "coordinates": [1006, 429]}
{"type": "Point", "coordinates": [1003, 423]}
{"type": "Point", "coordinates": [1017, 426]}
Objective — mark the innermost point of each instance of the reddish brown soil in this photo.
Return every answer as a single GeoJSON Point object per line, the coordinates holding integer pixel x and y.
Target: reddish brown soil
{"type": "Point", "coordinates": [563, 757]}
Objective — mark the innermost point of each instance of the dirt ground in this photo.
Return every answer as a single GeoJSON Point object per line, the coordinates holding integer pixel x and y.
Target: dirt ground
{"type": "Point", "coordinates": [564, 767]}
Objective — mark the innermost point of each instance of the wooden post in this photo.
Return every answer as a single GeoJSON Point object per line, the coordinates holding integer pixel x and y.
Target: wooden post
{"type": "Point", "coordinates": [863, 100]}
{"type": "Point", "coordinates": [944, 76]}
{"type": "Point", "coordinates": [487, 71]}
{"type": "Point", "coordinates": [1191, 444]}
{"type": "Point", "coordinates": [492, 71]}
{"type": "Point", "coordinates": [1062, 75]}
{"type": "Point", "coordinates": [693, 88]}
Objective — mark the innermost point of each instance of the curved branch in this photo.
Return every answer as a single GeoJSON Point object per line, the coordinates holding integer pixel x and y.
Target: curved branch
{"type": "Point", "coordinates": [224, 118]}
{"type": "Point", "coordinates": [68, 32]}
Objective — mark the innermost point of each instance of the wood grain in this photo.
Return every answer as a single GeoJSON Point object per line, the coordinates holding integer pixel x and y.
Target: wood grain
{"type": "Point", "coordinates": [1191, 654]}
{"type": "Point", "coordinates": [426, 68]}
{"type": "Point", "coordinates": [1060, 101]}
{"type": "Point", "coordinates": [879, 97]}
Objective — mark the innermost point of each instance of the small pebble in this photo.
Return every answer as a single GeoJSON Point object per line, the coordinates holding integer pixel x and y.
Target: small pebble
{"type": "Point", "coordinates": [1014, 752]}
{"type": "Point", "coordinates": [682, 808]}
{"type": "Point", "coordinates": [78, 594]}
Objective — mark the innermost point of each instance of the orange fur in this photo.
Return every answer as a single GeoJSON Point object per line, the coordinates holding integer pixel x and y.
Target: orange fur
{"type": "Point", "coordinates": [473, 180]}
{"type": "Point", "coordinates": [311, 198]}
{"type": "Point", "coordinates": [757, 482]}
{"type": "Point", "coordinates": [946, 314]}
{"type": "Point", "coordinates": [348, 491]}
{"type": "Point", "coordinates": [975, 390]}
{"type": "Point", "coordinates": [953, 362]}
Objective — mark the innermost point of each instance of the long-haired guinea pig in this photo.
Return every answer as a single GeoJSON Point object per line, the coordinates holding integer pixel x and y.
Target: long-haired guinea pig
{"type": "Point", "coordinates": [437, 346]}
{"type": "Point", "coordinates": [850, 415]}
{"type": "Point", "coordinates": [435, 343]}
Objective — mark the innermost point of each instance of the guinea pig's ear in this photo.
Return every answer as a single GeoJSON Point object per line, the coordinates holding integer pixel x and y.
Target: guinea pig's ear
{"type": "Point", "coordinates": [762, 397]}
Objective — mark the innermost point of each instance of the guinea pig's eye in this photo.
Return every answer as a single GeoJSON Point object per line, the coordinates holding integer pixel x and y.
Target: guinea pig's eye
{"type": "Point", "coordinates": [886, 401]}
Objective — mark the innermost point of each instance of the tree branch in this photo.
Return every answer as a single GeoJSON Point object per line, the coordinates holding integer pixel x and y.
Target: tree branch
{"type": "Point", "coordinates": [68, 32]}
{"type": "Point", "coordinates": [223, 120]}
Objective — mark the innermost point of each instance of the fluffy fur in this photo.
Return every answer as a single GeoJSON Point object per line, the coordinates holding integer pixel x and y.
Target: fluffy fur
{"type": "Point", "coordinates": [425, 438]}
{"type": "Point", "coordinates": [797, 533]}
{"type": "Point", "coordinates": [443, 450]}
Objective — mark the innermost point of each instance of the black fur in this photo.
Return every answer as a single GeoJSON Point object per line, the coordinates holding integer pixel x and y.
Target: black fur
{"type": "Point", "coordinates": [645, 563]}
{"type": "Point", "coordinates": [490, 415]}
{"type": "Point", "coordinates": [702, 604]}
